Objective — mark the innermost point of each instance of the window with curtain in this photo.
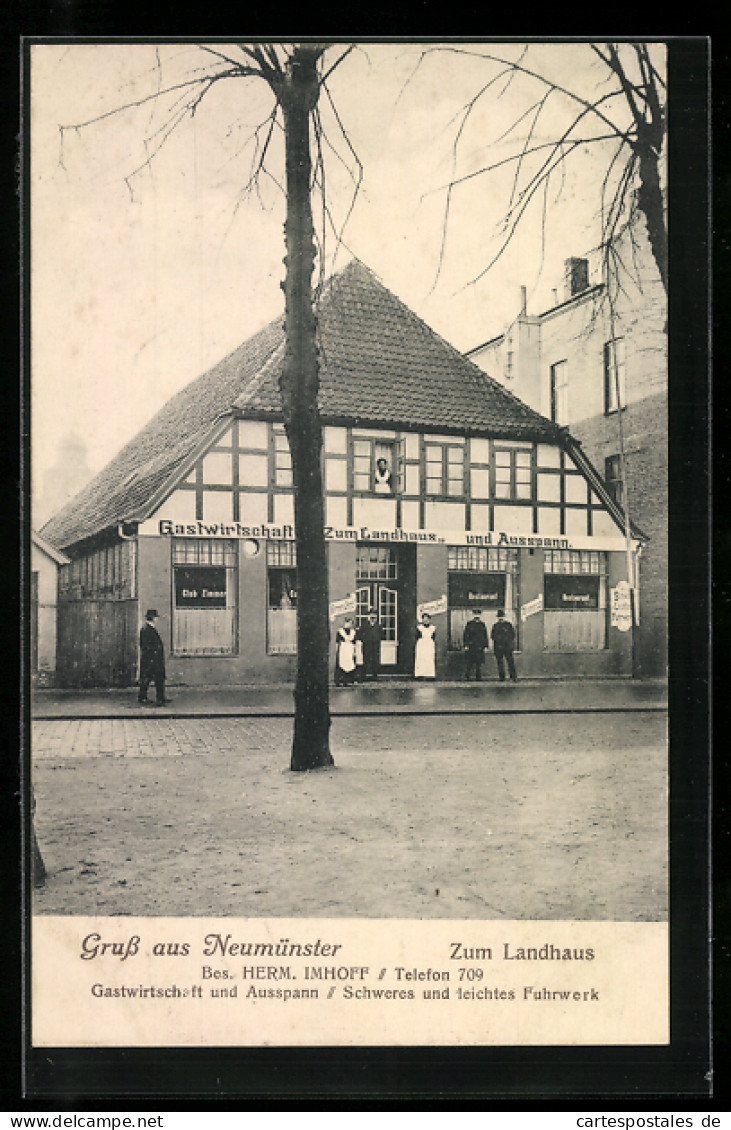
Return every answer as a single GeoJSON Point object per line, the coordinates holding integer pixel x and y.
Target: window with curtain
{"type": "Point", "coordinates": [204, 596]}
{"type": "Point", "coordinates": [281, 598]}
{"type": "Point", "coordinates": [574, 600]}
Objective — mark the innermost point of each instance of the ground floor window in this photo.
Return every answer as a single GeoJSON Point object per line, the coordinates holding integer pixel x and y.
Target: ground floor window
{"type": "Point", "coordinates": [281, 598]}
{"type": "Point", "coordinates": [484, 578]}
{"type": "Point", "coordinates": [204, 596]}
{"type": "Point", "coordinates": [574, 600]}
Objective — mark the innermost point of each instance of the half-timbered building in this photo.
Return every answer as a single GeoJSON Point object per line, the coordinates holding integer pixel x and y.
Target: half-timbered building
{"type": "Point", "coordinates": [443, 492]}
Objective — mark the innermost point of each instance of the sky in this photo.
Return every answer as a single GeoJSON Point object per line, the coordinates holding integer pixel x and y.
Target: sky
{"type": "Point", "coordinates": [149, 263]}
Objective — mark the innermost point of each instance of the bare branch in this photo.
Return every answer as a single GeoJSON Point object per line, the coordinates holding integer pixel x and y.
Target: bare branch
{"type": "Point", "coordinates": [220, 55]}
{"type": "Point", "coordinates": [336, 64]}
{"type": "Point", "coordinates": [518, 67]}
{"type": "Point", "coordinates": [189, 84]}
{"type": "Point", "coordinates": [358, 180]}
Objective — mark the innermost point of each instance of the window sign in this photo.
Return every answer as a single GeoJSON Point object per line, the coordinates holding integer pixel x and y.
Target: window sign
{"type": "Point", "coordinates": [477, 590]}
{"type": "Point", "coordinates": [571, 593]}
{"type": "Point", "coordinates": [200, 586]}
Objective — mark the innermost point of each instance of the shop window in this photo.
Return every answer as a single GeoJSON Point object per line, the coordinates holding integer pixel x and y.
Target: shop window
{"type": "Point", "coordinates": [282, 459]}
{"type": "Point", "coordinates": [374, 465]}
{"type": "Point", "coordinates": [559, 379]}
{"type": "Point", "coordinates": [479, 577]}
{"type": "Point", "coordinates": [614, 374]}
{"type": "Point", "coordinates": [574, 600]}
{"type": "Point", "coordinates": [281, 598]}
{"type": "Point", "coordinates": [614, 479]}
{"type": "Point", "coordinates": [444, 464]}
{"type": "Point", "coordinates": [204, 596]}
{"type": "Point", "coordinates": [513, 474]}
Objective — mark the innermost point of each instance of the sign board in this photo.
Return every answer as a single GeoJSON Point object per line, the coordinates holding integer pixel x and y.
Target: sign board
{"type": "Point", "coordinates": [620, 606]}
{"type": "Point", "coordinates": [200, 586]}
{"type": "Point", "coordinates": [570, 593]}
{"type": "Point", "coordinates": [531, 607]}
{"type": "Point", "coordinates": [477, 590]}
{"type": "Point", "coordinates": [432, 607]}
{"type": "Point", "coordinates": [342, 607]}
{"type": "Point", "coordinates": [270, 531]}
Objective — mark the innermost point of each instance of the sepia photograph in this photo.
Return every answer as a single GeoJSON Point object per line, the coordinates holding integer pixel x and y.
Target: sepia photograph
{"type": "Point", "coordinates": [349, 539]}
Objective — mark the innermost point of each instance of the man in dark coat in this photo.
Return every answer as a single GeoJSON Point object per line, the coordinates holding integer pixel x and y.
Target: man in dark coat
{"type": "Point", "coordinates": [152, 660]}
{"type": "Point", "coordinates": [370, 635]}
{"type": "Point", "coordinates": [503, 640]}
{"type": "Point", "coordinates": [475, 641]}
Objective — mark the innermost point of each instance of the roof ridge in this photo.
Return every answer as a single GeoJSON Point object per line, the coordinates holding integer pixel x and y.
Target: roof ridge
{"type": "Point", "coordinates": [481, 377]}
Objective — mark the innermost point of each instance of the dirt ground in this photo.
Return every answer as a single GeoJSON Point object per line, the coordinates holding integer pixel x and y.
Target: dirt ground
{"type": "Point", "coordinates": [536, 817]}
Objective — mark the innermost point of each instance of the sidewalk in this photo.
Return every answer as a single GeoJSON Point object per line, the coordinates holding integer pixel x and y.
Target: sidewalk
{"type": "Point", "coordinates": [388, 696]}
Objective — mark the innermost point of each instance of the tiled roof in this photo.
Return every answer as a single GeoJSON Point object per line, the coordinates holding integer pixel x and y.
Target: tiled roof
{"type": "Point", "coordinates": [379, 364]}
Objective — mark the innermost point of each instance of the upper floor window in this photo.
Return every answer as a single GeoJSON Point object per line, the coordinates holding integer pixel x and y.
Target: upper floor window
{"type": "Point", "coordinates": [560, 392]}
{"type": "Point", "coordinates": [614, 374]}
{"type": "Point", "coordinates": [373, 466]}
{"type": "Point", "coordinates": [613, 478]}
{"type": "Point", "coordinates": [282, 458]}
{"type": "Point", "coordinates": [513, 473]}
{"type": "Point", "coordinates": [444, 469]}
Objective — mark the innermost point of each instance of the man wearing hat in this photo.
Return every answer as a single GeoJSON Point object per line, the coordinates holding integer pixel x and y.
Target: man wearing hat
{"type": "Point", "coordinates": [503, 640]}
{"type": "Point", "coordinates": [370, 635]}
{"type": "Point", "coordinates": [152, 660]}
{"type": "Point", "coordinates": [475, 641]}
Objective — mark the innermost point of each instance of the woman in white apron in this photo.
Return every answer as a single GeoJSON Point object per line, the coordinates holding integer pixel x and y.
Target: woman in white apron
{"type": "Point", "coordinates": [424, 656]}
{"type": "Point", "coordinates": [383, 483]}
{"type": "Point", "coordinates": [345, 654]}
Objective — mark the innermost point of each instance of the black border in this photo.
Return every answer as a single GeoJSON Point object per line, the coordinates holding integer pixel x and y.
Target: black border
{"type": "Point", "coordinates": [509, 1077]}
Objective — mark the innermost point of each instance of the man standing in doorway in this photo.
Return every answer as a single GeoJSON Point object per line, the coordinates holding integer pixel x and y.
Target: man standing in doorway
{"type": "Point", "coordinates": [152, 660]}
{"type": "Point", "coordinates": [370, 635]}
{"type": "Point", "coordinates": [503, 640]}
{"type": "Point", "coordinates": [475, 641]}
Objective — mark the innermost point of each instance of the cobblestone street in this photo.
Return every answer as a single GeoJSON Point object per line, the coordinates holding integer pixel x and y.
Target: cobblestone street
{"type": "Point", "coordinates": [541, 817]}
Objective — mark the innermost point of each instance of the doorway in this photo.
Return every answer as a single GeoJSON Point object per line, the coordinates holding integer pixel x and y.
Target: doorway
{"type": "Point", "coordinates": [385, 581]}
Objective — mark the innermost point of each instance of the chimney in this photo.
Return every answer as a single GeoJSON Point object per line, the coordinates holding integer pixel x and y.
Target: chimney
{"type": "Point", "coordinates": [576, 277]}
{"type": "Point", "coordinates": [524, 300]}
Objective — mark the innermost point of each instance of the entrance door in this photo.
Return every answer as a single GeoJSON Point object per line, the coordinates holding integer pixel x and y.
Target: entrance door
{"type": "Point", "coordinates": [378, 588]}
{"type": "Point", "coordinates": [384, 599]}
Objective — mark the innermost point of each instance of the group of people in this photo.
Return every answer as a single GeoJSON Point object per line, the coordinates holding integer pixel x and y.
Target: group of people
{"type": "Point", "coordinates": [358, 650]}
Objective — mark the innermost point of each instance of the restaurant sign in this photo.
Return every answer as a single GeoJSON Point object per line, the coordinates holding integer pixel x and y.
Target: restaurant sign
{"type": "Point", "coordinates": [343, 607]}
{"type": "Point", "coordinates": [620, 605]}
{"type": "Point", "coordinates": [432, 607]}
{"type": "Point", "coordinates": [571, 593]}
{"type": "Point", "coordinates": [531, 607]}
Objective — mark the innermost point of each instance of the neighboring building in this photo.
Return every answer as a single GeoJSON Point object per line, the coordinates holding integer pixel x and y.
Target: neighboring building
{"type": "Point", "coordinates": [563, 361]}
{"type": "Point", "coordinates": [490, 504]}
{"type": "Point", "coordinates": [45, 562]}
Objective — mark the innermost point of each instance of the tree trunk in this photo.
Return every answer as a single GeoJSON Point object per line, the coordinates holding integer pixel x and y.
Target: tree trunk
{"type": "Point", "coordinates": [650, 203]}
{"type": "Point", "coordinates": [299, 386]}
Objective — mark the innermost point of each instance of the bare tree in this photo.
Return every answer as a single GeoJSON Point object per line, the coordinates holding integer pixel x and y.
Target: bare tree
{"type": "Point", "coordinates": [625, 114]}
{"type": "Point", "coordinates": [295, 74]}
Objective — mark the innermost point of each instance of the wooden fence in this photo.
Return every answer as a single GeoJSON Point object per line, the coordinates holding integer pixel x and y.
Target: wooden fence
{"type": "Point", "coordinates": [98, 643]}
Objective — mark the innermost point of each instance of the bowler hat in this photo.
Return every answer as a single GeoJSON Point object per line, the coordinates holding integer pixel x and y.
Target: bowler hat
{"type": "Point", "coordinates": [151, 614]}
